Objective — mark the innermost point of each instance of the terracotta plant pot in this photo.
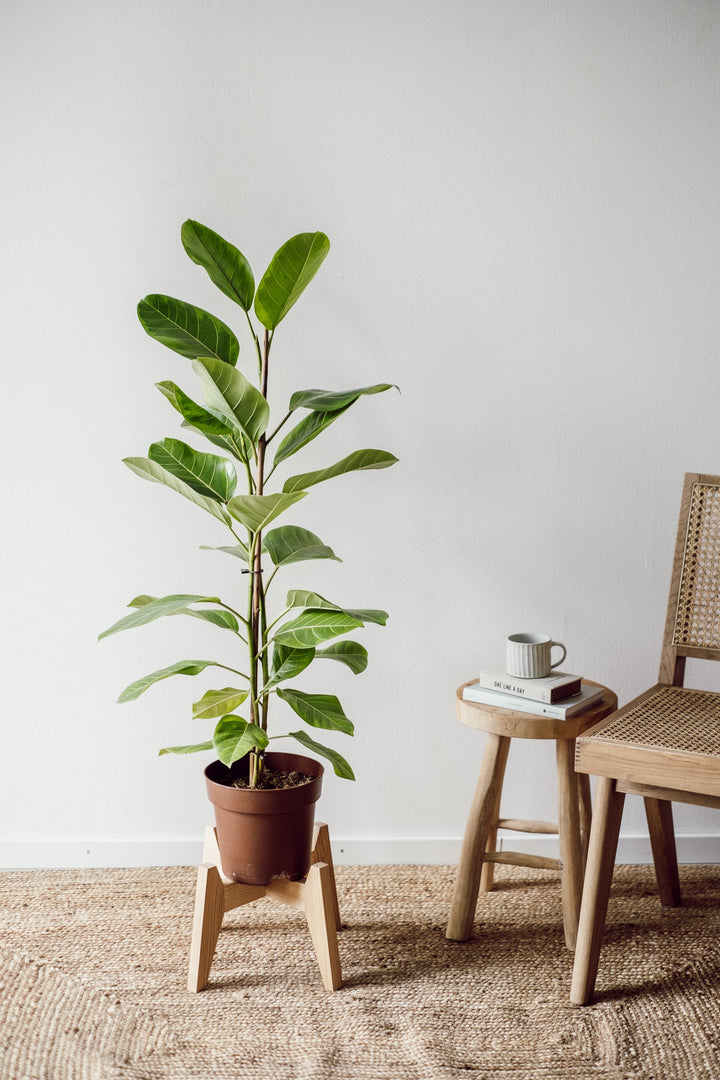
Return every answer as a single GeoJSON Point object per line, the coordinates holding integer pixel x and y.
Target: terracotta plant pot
{"type": "Point", "coordinates": [264, 834]}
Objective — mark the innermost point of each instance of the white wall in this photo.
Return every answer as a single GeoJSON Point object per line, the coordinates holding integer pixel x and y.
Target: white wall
{"type": "Point", "coordinates": [522, 202]}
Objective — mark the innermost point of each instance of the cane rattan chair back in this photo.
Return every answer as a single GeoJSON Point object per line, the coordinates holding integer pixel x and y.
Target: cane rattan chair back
{"type": "Point", "coordinates": [665, 744]}
{"type": "Point", "coordinates": [693, 621]}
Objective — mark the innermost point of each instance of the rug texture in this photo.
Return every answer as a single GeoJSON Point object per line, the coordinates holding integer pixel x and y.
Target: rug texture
{"type": "Point", "coordinates": [93, 965]}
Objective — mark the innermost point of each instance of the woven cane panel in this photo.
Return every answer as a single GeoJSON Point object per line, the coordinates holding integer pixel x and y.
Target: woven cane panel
{"type": "Point", "coordinates": [697, 622]}
{"type": "Point", "coordinates": [673, 718]}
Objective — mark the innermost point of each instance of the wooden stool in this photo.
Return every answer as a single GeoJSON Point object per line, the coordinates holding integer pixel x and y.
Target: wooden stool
{"type": "Point", "coordinates": [475, 872]}
{"type": "Point", "coordinates": [316, 896]}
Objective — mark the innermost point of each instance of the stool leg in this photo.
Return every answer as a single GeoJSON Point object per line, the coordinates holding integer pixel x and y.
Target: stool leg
{"type": "Point", "coordinates": [487, 795]}
{"type": "Point", "coordinates": [569, 833]}
{"type": "Point", "coordinates": [487, 874]}
{"type": "Point", "coordinates": [596, 891]}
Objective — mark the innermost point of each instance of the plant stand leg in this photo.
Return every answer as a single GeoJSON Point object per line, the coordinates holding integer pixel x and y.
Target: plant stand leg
{"type": "Point", "coordinates": [209, 911]}
{"type": "Point", "coordinates": [316, 896]}
{"type": "Point", "coordinates": [320, 902]}
{"type": "Point", "coordinates": [322, 853]}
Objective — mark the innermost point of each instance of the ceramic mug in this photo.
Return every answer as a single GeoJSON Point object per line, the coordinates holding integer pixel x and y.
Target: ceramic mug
{"type": "Point", "coordinates": [528, 656]}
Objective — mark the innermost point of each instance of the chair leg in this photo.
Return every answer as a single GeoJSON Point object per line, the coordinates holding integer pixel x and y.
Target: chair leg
{"type": "Point", "coordinates": [569, 835]}
{"type": "Point", "coordinates": [662, 839]}
{"type": "Point", "coordinates": [585, 814]}
{"type": "Point", "coordinates": [607, 816]}
{"type": "Point", "coordinates": [487, 794]}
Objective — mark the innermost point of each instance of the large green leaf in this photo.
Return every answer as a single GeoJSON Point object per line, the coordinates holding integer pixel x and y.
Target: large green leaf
{"type": "Point", "coordinates": [340, 765]}
{"type": "Point", "coordinates": [351, 653]}
{"type": "Point", "coordinates": [216, 429]}
{"type": "Point", "coordinates": [182, 667]}
{"type": "Point", "coordinates": [238, 551]}
{"type": "Point", "coordinates": [207, 474]}
{"type": "Point", "coordinates": [150, 470]}
{"type": "Point", "coordinates": [290, 272]}
{"type": "Point", "coordinates": [291, 544]}
{"type": "Point", "coordinates": [357, 461]}
{"type": "Point", "coordinates": [226, 266]}
{"type": "Point", "coordinates": [218, 703]}
{"type": "Point", "coordinates": [306, 599]}
{"type": "Point", "coordinates": [314, 627]}
{"type": "Point", "coordinates": [287, 663]}
{"type": "Point", "coordinates": [187, 329]}
{"type": "Point", "coordinates": [151, 608]}
{"type": "Point", "coordinates": [257, 511]}
{"type": "Point", "coordinates": [234, 738]}
{"type": "Point", "coordinates": [224, 619]}
{"type": "Point", "coordinates": [187, 749]}
{"type": "Point", "coordinates": [304, 432]}
{"type": "Point", "coordinates": [331, 400]}
{"type": "Point", "coordinates": [229, 393]}
{"type": "Point", "coordinates": [319, 710]}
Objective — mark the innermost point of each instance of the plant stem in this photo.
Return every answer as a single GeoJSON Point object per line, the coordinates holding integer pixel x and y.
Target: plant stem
{"type": "Point", "coordinates": [258, 629]}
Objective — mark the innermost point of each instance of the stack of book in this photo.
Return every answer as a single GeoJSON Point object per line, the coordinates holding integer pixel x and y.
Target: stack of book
{"type": "Point", "coordinates": [559, 695]}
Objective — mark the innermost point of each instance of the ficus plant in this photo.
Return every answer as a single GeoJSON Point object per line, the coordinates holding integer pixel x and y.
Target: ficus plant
{"type": "Point", "coordinates": [233, 487]}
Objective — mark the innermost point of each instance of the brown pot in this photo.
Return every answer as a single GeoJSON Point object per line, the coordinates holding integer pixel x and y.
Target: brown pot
{"type": "Point", "coordinates": [264, 834]}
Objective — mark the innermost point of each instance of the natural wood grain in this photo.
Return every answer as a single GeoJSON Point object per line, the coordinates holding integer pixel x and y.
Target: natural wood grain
{"type": "Point", "coordinates": [207, 920]}
{"type": "Point", "coordinates": [320, 913]}
{"type": "Point", "coordinates": [629, 787]}
{"type": "Point", "coordinates": [520, 858]}
{"type": "Point", "coordinates": [664, 745]}
{"type": "Point", "coordinates": [487, 873]}
{"type": "Point", "coordinates": [607, 814]}
{"type": "Point", "coordinates": [487, 793]}
{"type": "Point", "coordinates": [522, 825]}
{"type": "Point", "coordinates": [322, 852]}
{"type": "Point", "coordinates": [316, 896]}
{"type": "Point", "coordinates": [662, 839]}
{"type": "Point", "coordinates": [521, 725]}
{"type": "Point", "coordinates": [479, 854]}
{"type": "Point", "coordinates": [569, 831]}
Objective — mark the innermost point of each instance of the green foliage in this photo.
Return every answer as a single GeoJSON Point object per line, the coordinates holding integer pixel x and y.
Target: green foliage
{"type": "Point", "coordinates": [235, 417]}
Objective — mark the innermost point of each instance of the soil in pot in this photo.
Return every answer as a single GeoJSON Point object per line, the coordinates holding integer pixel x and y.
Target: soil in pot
{"type": "Point", "coordinates": [264, 832]}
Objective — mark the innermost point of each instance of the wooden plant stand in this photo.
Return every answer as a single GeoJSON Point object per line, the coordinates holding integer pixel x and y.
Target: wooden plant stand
{"type": "Point", "coordinates": [316, 896]}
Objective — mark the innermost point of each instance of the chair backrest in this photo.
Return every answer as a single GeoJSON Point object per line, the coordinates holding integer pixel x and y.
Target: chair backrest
{"type": "Point", "coordinates": [692, 627]}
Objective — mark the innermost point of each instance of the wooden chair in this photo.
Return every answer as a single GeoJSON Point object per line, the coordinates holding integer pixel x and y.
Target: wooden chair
{"type": "Point", "coordinates": [665, 744]}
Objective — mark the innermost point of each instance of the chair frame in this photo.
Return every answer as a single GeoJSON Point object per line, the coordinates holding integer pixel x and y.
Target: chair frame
{"type": "Point", "coordinates": [660, 774]}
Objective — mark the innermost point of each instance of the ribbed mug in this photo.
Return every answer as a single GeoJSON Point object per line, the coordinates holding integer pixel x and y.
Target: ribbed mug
{"type": "Point", "coordinates": [529, 656]}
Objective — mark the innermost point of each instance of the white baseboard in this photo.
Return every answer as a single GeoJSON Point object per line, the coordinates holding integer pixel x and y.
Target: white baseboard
{"type": "Point", "coordinates": [347, 851]}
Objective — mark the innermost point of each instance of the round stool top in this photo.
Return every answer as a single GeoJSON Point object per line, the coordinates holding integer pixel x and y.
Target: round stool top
{"type": "Point", "coordinates": [523, 725]}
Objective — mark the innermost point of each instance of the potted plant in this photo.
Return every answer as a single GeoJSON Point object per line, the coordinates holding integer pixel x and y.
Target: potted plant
{"type": "Point", "coordinates": [265, 798]}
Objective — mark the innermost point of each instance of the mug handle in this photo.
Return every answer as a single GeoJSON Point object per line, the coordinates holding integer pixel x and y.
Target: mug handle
{"type": "Point", "coordinates": [564, 653]}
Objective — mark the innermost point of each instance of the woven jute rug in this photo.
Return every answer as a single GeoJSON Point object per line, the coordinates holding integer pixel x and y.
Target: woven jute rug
{"type": "Point", "coordinates": [93, 966]}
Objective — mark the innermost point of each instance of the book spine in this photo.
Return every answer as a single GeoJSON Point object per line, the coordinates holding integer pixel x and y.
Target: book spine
{"type": "Point", "coordinates": [519, 704]}
{"type": "Point", "coordinates": [507, 686]}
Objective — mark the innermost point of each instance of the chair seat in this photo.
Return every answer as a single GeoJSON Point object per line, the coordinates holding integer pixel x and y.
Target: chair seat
{"type": "Point", "coordinates": [669, 736]}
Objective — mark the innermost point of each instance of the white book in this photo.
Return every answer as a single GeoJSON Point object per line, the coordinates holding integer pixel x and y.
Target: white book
{"type": "Point", "coordinates": [560, 684]}
{"type": "Point", "coordinates": [559, 710]}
